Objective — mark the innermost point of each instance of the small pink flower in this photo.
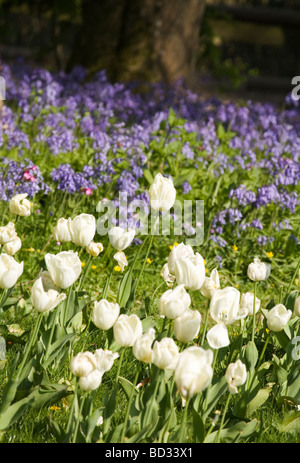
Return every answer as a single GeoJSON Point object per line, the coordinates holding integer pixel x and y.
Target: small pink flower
{"type": "Point", "coordinates": [32, 178]}
{"type": "Point", "coordinates": [34, 168]}
{"type": "Point", "coordinates": [27, 175]}
{"type": "Point", "coordinates": [38, 211]}
{"type": "Point", "coordinates": [88, 191]}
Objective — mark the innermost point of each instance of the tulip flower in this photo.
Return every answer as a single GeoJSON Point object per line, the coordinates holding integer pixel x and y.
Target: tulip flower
{"type": "Point", "coordinates": [119, 238]}
{"type": "Point", "coordinates": [181, 250]}
{"type": "Point", "coordinates": [297, 307]}
{"type": "Point", "coordinates": [194, 371]}
{"type": "Point", "coordinates": [236, 375]}
{"type": "Point", "coordinates": [61, 231]}
{"type": "Point", "coordinates": [20, 206]}
{"type": "Point", "coordinates": [82, 229]}
{"type": "Point", "coordinates": [247, 300]}
{"type": "Point", "coordinates": [211, 284]}
{"type": "Point", "coordinates": [94, 249]}
{"type": "Point", "coordinates": [10, 271]}
{"type": "Point", "coordinates": [83, 364]}
{"type": "Point", "coordinates": [44, 298]}
{"type": "Point", "coordinates": [165, 354]}
{"type": "Point", "coordinates": [165, 273]}
{"type": "Point", "coordinates": [127, 329]}
{"type": "Point", "coordinates": [278, 317]}
{"type": "Point", "coordinates": [64, 268]}
{"type": "Point", "coordinates": [91, 382]}
{"type": "Point", "coordinates": [7, 233]}
{"type": "Point", "coordinates": [12, 246]}
{"type": "Point", "coordinates": [187, 325]}
{"type": "Point", "coordinates": [105, 359]}
{"type": "Point", "coordinates": [225, 306]}
{"type": "Point", "coordinates": [162, 193]}
{"type": "Point", "coordinates": [190, 271]}
{"type": "Point", "coordinates": [121, 259]}
{"type": "Point", "coordinates": [217, 336]}
{"type": "Point", "coordinates": [174, 302]}
{"type": "Point", "coordinates": [142, 348]}
{"type": "Point", "coordinates": [105, 314]}
{"type": "Point", "coordinates": [258, 271]}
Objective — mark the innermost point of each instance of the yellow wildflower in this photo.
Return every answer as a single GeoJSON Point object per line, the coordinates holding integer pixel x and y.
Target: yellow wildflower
{"type": "Point", "coordinates": [270, 254]}
{"type": "Point", "coordinates": [54, 407]}
{"type": "Point", "coordinates": [149, 261]}
{"type": "Point", "coordinates": [94, 267]}
{"type": "Point", "coordinates": [234, 247]}
{"type": "Point", "coordinates": [82, 264]}
{"type": "Point", "coordinates": [117, 268]}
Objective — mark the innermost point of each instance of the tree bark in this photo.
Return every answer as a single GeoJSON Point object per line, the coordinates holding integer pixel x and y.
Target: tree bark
{"type": "Point", "coordinates": [152, 40]}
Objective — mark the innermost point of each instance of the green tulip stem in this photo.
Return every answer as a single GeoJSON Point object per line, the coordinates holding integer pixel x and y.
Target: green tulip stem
{"type": "Point", "coordinates": [129, 404]}
{"type": "Point", "coordinates": [119, 365]}
{"type": "Point", "coordinates": [213, 369]}
{"type": "Point", "coordinates": [182, 431]}
{"type": "Point", "coordinates": [223, 417]}
{"type": "Point", "coordinates": [53, 325]}
{"type": "Point", "coordinates": [254, 304]}
{"type": "Point", "coordinates": [71, 411]}
{"type": "Point", "coordinates": [293, 278]}
{"type": "Point", "coordinates": [85, 274]}
{"type": "Point", "coordinates": [79, 418]}
{"type": "Point", "coordinates": [205, 326]}
{"type": "Point", "coordinates": [145, 261]}
{"type": "Point", "coordinates": [31, 342]}
{"type": "Point", "coordinates": [263, 351]}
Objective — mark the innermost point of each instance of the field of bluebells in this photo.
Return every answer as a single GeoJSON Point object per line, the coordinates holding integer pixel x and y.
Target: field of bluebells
{"type": "Point", "coordinates": [125, 337]}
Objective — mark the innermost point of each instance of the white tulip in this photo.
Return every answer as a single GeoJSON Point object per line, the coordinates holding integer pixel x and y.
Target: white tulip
{"type": "Point", "coordinates": [105, 314]}
{"type": "Point", "coordinates": [105, 359]}
{"type": "Point", "coordinates": [162, 193]}
{"type": "Point", "coordinates": [278, 317]}
{"type": "Point", "coordinates": [165, 273]}
{"type": "Point", "coordinates": [90, 382]}
{"type": "Point", "coordinates": [44, 299]}
{"type": "Point", "coordinates": [165, 354]}
{"type": "Point", "coordinates": [190, 271]}
{"type": "Point", "coordinates": [247, 300]}
{"type": "Point", "coordinates": [181, 250]}
{"type": "Point", "coordinates": [82, 229]}
{"type": "Point", "coordinates": [64, 268]}
{"type": "Point", "coordinates": [61, 231]}
{"type": "Point", "coordinates": [127, 329]}
{"type": "Point", "coordinates": [94, 249]}
{"type": "Point", "coordinates": [119, 238]}
{"type": "Point", "coordinates": [297, 307]}
{"type": "Point", "coordinates": [258, 271]}
{"type": "Point", "coordinates": [83, 364]}
{"type": "Point", "coordinates": [142, 348]}
{"type": "Point", "coordinates": [19, 205]}
{"type": "Point", "coordinates": [10, 271]}
{"type": "Point", "coordinates": [217, 336]}
{"type": "Point", "coordinates": [194, 371]}
{"type": "Point", "coordinates": [187, 325]}
{"type": "Point", "coordinates": [121, 259]}
{"type": "Point", "coordinates": [210, 284]}
{"type": "Point", "coordinates": [13, 246]}
{"type": "Point", "coordinates": [174, 302]}
{"type": "Point", "coordinates": [236, 375]}
{"type": "Point", "coordinates": [225, 306]}
{"type": "Point", "coordinates": [7, 233]}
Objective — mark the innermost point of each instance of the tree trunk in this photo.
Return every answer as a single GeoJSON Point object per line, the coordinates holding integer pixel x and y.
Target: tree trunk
{"type": "Point", "coordinates": [152, 40]}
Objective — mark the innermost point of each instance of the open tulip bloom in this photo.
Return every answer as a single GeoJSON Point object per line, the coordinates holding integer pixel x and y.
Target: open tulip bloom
{"type": "Point", "coordinates": [44, 297]}
{"type": "Point", "coordinates": [64, 268]}
{"type": "Point", "coordinates": [120, 238]}
{"type": "Point", "coordinates": [10, 271]}
{"type": "Point", "coordinates": [225, 306]}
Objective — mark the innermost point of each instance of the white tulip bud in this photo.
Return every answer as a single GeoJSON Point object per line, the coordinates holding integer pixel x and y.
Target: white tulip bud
{"type": "Point", "coordinates": [258, 271]}
{"type": "Point", "coordinates": [119, 238]}
{"type": "Point", "coordinates": [64, 268]}
{"type": "Point", "coordinates": [165, 354]}
{"type": "Point", "coordinates": [190, 271]}
{"type": "Point", "coordinates": [19, 205]}
{"type": "Point", "coordinates": [7, 233]}
{"type": "Point", "coordinates": [162, 193]}
{"type": "Point", "coordinates": [187, 325]}
{"type": "Point", "coordinates": [82, 229]}
{"type": "Point", "coordinates": [247, 300]}
{"type": "Point", "coordinates": [181, 250]}
{"type": "Point", "coordinates": [236, 375]}
{"type": "Point", "coordinates": [194, 371]}
{"type": "Point", "coordinates": [217, 336]}
{"type": "Point", "coordinates": [105, 314]}
{"type": "Point", "coordinates": [174, 302]}
{"type": "Point", "coordinates": [94, 249]}
{"type": "Point", "coordinates": [61, 231]}
{"type": "Point", "coordinates": [10, 271]}
{"type": "Point", "coordinates": [127, 329]}
{"type": "Point", "coordinates": [278, 317]}
{"type": "Point", "coordinates": [83, 364]}
{"type": "Point", "coordinates": [211, 284]}
{"type": "Point", "coordinates": [44, 299]}
{"type": "Point", "coordinates": [12, 246]}
{"type": "Point", "coordinates": [121, 259]}
{"type": "Point", "coordinates": [142, 348]}
{"type": "Point", "coordinates": [105, 359]}
{"type": "Point", "coordinates": [225, 306]}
